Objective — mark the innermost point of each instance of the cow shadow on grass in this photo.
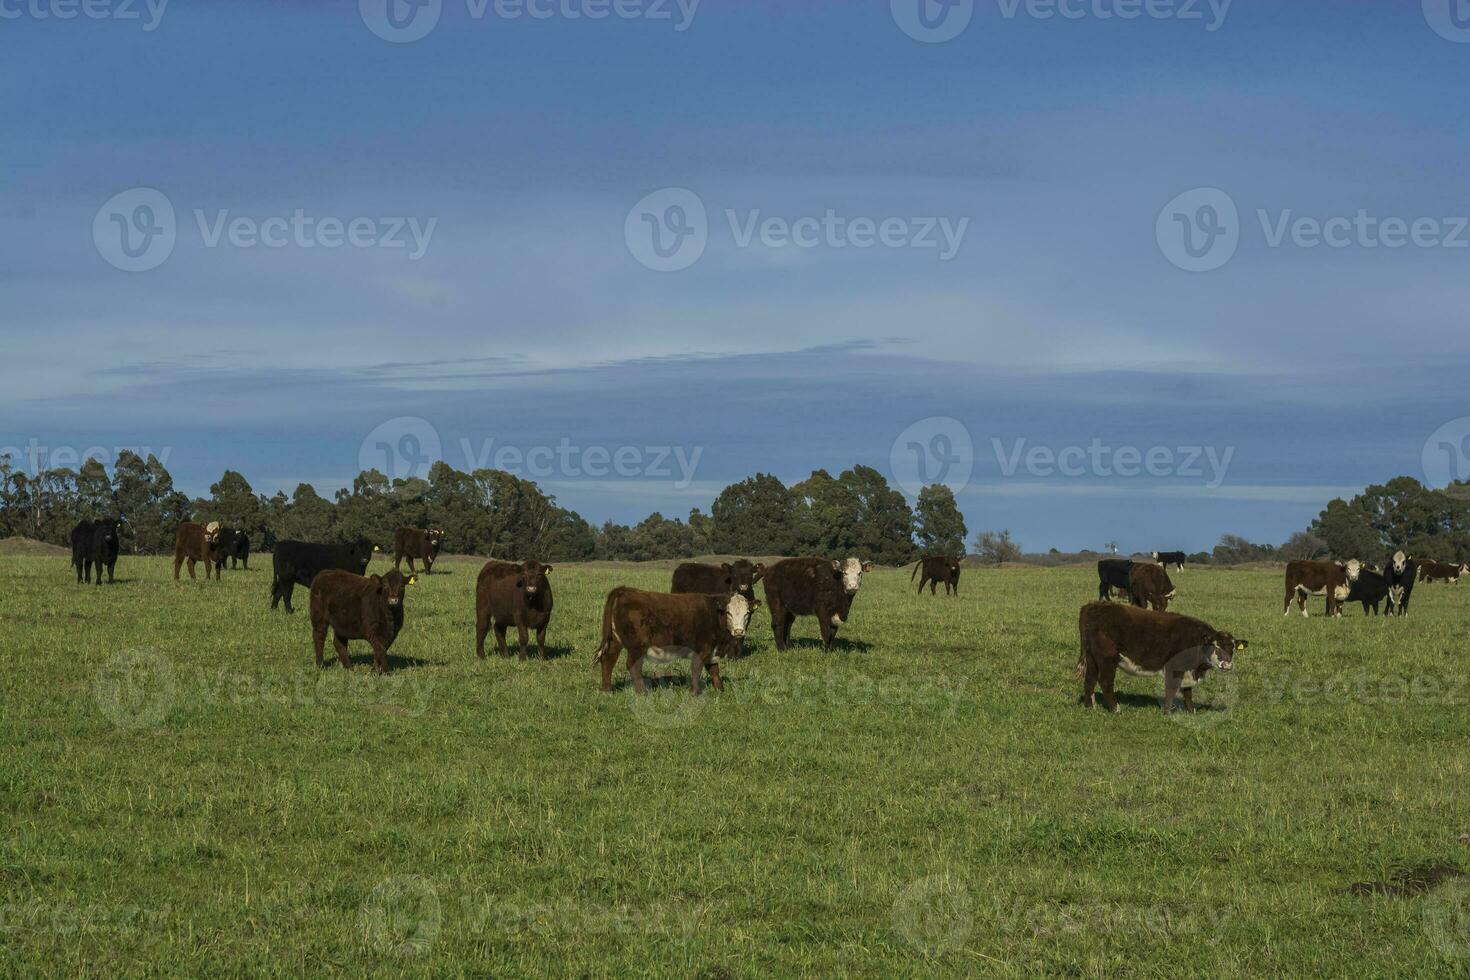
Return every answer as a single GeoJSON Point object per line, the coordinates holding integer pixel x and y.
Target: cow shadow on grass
{"type": "Point", "coordinates": [552, 652]}
{"type": "Point", "coordinates": [839, 645]}
{"type": "Point", "coordinates": [1154, 701]}
{"type": "Point", "coordinates": [396, 661]}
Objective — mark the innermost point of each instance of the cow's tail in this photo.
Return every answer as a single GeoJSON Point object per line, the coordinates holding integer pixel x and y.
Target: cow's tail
{"type": "Point", "coordinates": [607, 628]}
{"type": "Point", "coordinates": [914, 574]}
{"type": "Point", "coordinates": [1081, 649]}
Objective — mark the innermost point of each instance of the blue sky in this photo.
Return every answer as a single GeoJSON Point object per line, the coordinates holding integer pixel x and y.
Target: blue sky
{"type": "Point", "coordinates": [528, 152]}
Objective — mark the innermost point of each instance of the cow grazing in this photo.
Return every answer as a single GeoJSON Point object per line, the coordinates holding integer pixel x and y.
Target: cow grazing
{"type": "Point", "coordinates": [357, 608]}
{"type": "Point", "coordinates": [1112, 573]}
{"type": "Point", "coordinates": [194, 543]}
{"type": "Point", "coordinates": [299, 562]}
{"type": "Point", "coordinates": [692, 626]}
{"type": "Point", "coordinates": [1371, 589]}
{"type": "Point", "coordinates": [95, 543]}
{"type": "Point", "coordinates": [231, 546]}
{"type": "Point", "coordinates": [414, 542]}
{"type": "Point", "coordinates": [1332, 579]}
{"type": "Point", "coordinates": [1168, 558]}
{"type": "Point", "coordinates": [1438, 571]}
{"type": "Point", "coordinates": [1148, 643]}
{"type": "Point", "coordinates": [1402, 572]}
{"type": "Point", "coordinates": [1149, 585]}
{"type": "Point", "coordinates": [938, 569]}
{"type": "Point", "coordinates": [808, 587]}
{"type": "Point", "coordinates": [732, 576]}
{"type": "Point", "coordinates": [512, 593]}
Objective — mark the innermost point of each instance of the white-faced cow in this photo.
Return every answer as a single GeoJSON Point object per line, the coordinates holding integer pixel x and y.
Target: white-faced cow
{"type": "Point", "coordinates": [1402, 572]}
{"type": "Point", "coordinates": [1332, 579]}
{"type": "Point", "coordinates": [663, 628]}
{"type": "Point", "coordinates": [1148, 644]}
{"type": "Point", "coordinates": [1168, 558]}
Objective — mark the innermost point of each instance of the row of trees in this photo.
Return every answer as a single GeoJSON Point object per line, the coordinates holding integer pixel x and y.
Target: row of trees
{"type": "Point", "coordinates": [491, 512]}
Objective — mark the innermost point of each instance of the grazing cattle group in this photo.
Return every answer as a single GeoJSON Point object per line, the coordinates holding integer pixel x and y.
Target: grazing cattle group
{"type": "Point", "coordinates": [706, 614]}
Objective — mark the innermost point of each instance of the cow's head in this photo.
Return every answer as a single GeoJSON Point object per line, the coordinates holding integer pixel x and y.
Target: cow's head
{"type": "Point", "coordinates": [391, 587]}
{"type": "Point", "coordinates": [851, 571]}
{"type": "Point", "coordinates": [1223, 649]}
{"type": "Point", "coordinates": [1399, 560]}
{"type": "Point", "coordinates": [734, 612]}
{"type": "Point", "coordinates": [362, 552]}
{"type": "Point", "coordinates": [1463, 569]}
{"type": "Point", "coordinates": [211, 531]}
{"type": "Point", "coordinates": [1353, 567]}
{"type": "Point", "coordinates": [532, 578]}
{"type": "Point", "coordinates": [741, 576]}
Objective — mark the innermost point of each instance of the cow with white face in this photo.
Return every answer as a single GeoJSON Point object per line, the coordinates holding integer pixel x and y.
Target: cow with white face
{"type": "Point", "coordinates": [852, 574]}
{"type": "Point", "coordinates": [1332, 579]}
{"type": "Point", "coordinates": [663, 628]}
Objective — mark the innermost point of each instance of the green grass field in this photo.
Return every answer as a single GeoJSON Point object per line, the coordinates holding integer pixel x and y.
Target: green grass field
{"type": "Point", "coordinates": [186, 794]}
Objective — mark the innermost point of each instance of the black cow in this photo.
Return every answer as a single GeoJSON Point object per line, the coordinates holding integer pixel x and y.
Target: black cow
{"type": "Point", "coordinates": [1370, 588]}
{"type": "Point", "coordinates": [1401, 572]}
{"type": "Point", "coordinates": [1112, 573]}
{"type": "Point", "coordinates": [298, 562]}
{"type": "Point", "coordinates": [1167, 558]}
{"type": "Point", "coordinates": [232, 546]}
{"type": "Point", "coordinates": [938, 569]}
{"type": "Point", "coordinates": [94, 543]}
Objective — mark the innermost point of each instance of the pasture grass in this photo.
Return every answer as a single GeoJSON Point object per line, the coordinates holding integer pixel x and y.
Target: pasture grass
{"type": "Point", "coordinates": [186, 794]}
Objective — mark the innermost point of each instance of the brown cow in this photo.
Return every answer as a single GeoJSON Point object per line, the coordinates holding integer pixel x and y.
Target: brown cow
{"type": "Point", "coordinates": [1333, 579]}
{"type": "Point", "coordinates": [357, 608]}
{"type": "Point", "coordinates": [509, 593]}
{"type": "Point", "coordinates": [414, 542]}
{"type": "Point", "coordinates": [194, 543]}
{"type": "Point", "coordinates": [938, 569]}
{"type": "Point", "coordinates": [668, 627]}
{"type": "Point", "coordinates": [1438, 571]}
{"type": "Point", "coordinates": [737, 576]}
{"type": "Point", "coordinates": [1146, 643]}
{"type": "Point", "coordinates": [1149, 586]}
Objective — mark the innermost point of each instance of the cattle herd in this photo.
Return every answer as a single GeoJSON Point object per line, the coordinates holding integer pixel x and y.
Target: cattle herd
{"type": "Point", "coordinates": [705, 615]}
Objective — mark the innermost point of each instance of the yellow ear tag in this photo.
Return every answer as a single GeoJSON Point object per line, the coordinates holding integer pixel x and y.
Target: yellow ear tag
{"type": "Point", "coordinates": [413, 580]}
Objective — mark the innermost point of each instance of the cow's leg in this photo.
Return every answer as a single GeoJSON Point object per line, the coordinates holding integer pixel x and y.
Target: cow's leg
{"type": "Point", "coordinates": [192, 576]}
{"type": "Point", "coordinates": [922, 583]}
{"type": "Point", "coordinates": [178, 561]}
{"type": "Point", "coordinates": [380, 657]}
{"type": "Point", "coordinates": [1089, 682]}
{"type": "Point", "coordinates": [828, 633]}
{"type": "Point", "coordinates": [714, 675]}
{"type": "Point", "coordinates": [609, 661]}
{"type": "Point", "coordinates": [521, 635]}
{"type": "Point", "coordinates": [635, 667]}
{"type": "Point", "coordinates": [1171, 689]}
{"type": "Point", "coordinates": [778, 618]}
{"type": "Point", "coordinates": [500, 628]}
{"type": "Point", "coordinates": [1189, 699]}
{"type": "Point", "coordinates": [482, 626]}
{"type": "Point", "coordinates": [541, 642]}
{"type": "Point", "coordinates": [696, 671]}
{"type": "Point", "coordinates": [1107, 671]}
{"type": "Point", "coordinates": [934, 586]}
{"type": "Point", "coordinates": [110, 566]}
{"type": "Point", "coordinates": [341, 647]}
{"type": "Point", "coordinates": [319, 640]}
{"type": "Point", "coordinates": [1104, 592]}
{"type": "Point", "coordinates": [411, 569]}
{"type": "Point", "coordinates": [398, 561]}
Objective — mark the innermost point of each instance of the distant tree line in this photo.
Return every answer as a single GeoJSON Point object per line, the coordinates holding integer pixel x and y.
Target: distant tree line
{"type": "Point", "coordinates": [493, 513]}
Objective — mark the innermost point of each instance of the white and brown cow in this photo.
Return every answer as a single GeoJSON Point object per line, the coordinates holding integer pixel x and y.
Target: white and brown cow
{"type": "Point", "coordinates": [1439, 571]}
{"type": "Point", "coordinates": [1146, 643]}
{"type": "Point", "coordinates": [1333, 579]}
{"type": "Point", "coordinates": [664, 628]}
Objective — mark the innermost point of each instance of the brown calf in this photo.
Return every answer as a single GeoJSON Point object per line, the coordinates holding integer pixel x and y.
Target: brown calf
{"type": "Point", "coordinates": [668, 627]}
{"type": "Point", "coordinates": [737, 576]}
{"type": "Point", "coordinates": [193, 543]}
{"type": "Point", "coordinates": [357, 608]}
{"type": "Point", "coordinates": [1149, 586]}
{"type": "Point", "coordinates": [1147, 643]}
{"type": "Point", "coordinates": [1333, 579]}
{"type": "Point", "coordinates": [509, 593]}
{"type": "Point", "coordinates": [938, 569]}
{"type": "Point", "coordinates": [415, 542]}
{"type": "Point", "coordinates": [1438, 571]}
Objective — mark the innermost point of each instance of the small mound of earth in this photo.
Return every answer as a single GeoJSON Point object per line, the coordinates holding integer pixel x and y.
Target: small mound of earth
{"type": "Point", "coordinates": [31, 548]}
{"type": "Point", "coordinates": [1414, 881]}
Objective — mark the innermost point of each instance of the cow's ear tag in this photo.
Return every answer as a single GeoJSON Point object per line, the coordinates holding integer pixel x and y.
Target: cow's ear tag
{"type": "Point", "coordinates": [376, 549]}
{"type": "Point", "coordinates": [413, 580]}
{"type": "Point", "coordinates": [1241, 644]}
